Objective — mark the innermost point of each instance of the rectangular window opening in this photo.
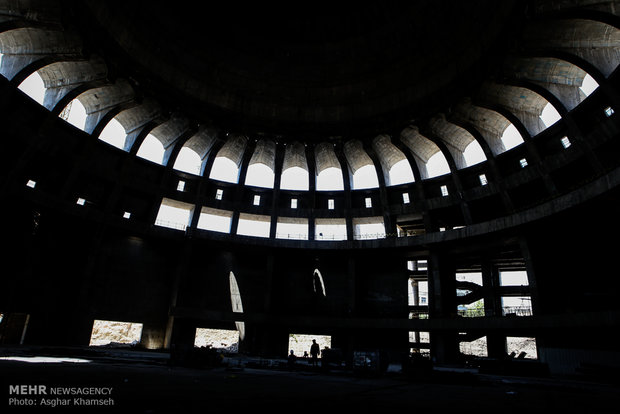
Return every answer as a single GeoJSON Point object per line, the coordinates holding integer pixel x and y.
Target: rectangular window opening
{"type": "Point", "coordinates": [300, 345]}
{"type": "Point", "coordinates": [256, 201]}
{"type": "Point", "coordinates": [368, 202]}
{"type": "Point", "coordinates": [406, 198]}
{"type": "Point", "coordinates": [444, 190]}
{"type": "Point", "coordinates": [292, 228]}
{"type": "Point", "coordinates": [81, 201]}
{"type": "Point", "coordinates": [417, 292]}
{"type": "Point", "coordinates": [565, 142]}
{"type": "Point", "coordinates": [223, 340]}
{"type": "Point", "coordinates": [31, 183]}
{"type": "Point", "coordinates": [523, 162]}
{"type": "Point", "coordinates": [174, 214]}
{"type": "Point", "coordinates": [330, 229]}
{"type": "Point", "coordinates": [609, 111]}
{"type": "Point", "coordinates": [215, 220]}
{"type": "Point", "coordinates": [254, 225]}
{"type": "Point", "coordinates": [126, 214]}
{"type": "Point", "coordinates": [521, 347]}
{"type": "Point", "coordinates": [181, 185]}
{"type": "Point", "coordinates": [293, 203]}
{"type": "Point", "coordinates": [368, 228]}
{"type": "Point", "coordinates": [330, 204]}
{"type": "Point", "coordinates": [477, 347]}
{"type": "Point", "coordinates": [114, 332]}
{"type": "Point", "coordinates": [516, 306]}
{"type": "Point", "coordinates": [219, 193]}
{"type": "Point", "coordinates": [513, 278]}
{"type": "Point", "coordinates": [483, 179]}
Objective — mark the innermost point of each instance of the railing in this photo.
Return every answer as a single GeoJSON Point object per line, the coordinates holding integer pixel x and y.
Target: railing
{"type": "Point", "coordinates": [171, 224]}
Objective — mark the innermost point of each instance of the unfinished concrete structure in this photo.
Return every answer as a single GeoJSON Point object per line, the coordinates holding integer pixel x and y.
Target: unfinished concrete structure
{"type": "Point", "coordinates": [341, 90]}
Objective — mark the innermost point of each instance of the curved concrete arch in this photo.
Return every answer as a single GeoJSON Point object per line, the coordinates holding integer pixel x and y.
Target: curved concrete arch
{"type": "Point", "coordinates": [456, 139]}
{"type": "Point", "coordinates": [490, 124]}
{"type": "Point", "coordinates": [420, 146]}
{"type": "Point", "coordinates": [388, 154]}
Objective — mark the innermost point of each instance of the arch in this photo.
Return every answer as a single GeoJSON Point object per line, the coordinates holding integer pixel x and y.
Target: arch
{"type": "Point", "coordinates": [429, 159]}
{"type": "Point", "coordinates": [34, 87]}
{"type": "Point", "coordinates": [114, 134]}
{"type": "Point", "coordinates": [188, 161]}
{"type": "Point", "coordinates": [236, 303]}
{"type": "Point", "coordinates": [227, 163]}
{"type": "Point", "coordinates": [396, 168]}
{"type": "Point", "coordinates": [463, 147]}
{"type": "Point", "coordinates": [329, 172]}
{"type": "Point", "coordinates": [152, 150]}
{"type": "Point", "coordinates": [361, 168]}
{"type": "Point", "coordinates": [511, 137]}
{"type": "Point", "coordinates": [317, 279]}
{"type": "Point", "coordinates": [75, 114]}
{"type": "Point", "coordinates": [295, 175]}
{"type": "Point", "coordinates": [549, 115]}
{"type": "Point", "coordinates": [262, 164]}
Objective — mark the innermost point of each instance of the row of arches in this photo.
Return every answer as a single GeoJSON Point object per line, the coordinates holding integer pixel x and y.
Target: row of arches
{"type": "Point", "coordinates": [537, 92]}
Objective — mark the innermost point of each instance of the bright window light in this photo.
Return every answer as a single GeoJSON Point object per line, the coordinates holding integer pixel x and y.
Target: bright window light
{"type": "Point", "coordinates": [401, 173]}
{"type": "Point", "coordinates": [219, 194]}
{"type": "Point", "coordinates": [513, 278]}
{"type": "Point", "coordinates": [152, 150]}
{"type": "Point", "coordinates": [588, 85]}
{"type": "Point", "coordinates": [224, 169]}
{"type": "Point", "coordinates": [81, 201]}
{"type": "Point", "coordinates": [368, 202]}
{"type": "Point", "coordinates": [181, 185]}
{"type": "Point", "coordinates": [406, 198]}
{"type": "Point", "coordinates": [260, 175]}
{"type": "Point", "coordinates": [31, 183]}
{"type": "Point", "coordinates": [75, 114]}
{"type": "Point", "coordinates": [565, 142]}
{"type": "Point", "coordinates": [330, 204]}
{"type": "Point", "coordinates": [474, 154]}
{"type": "Point", "coordinates": [126, 214]}
{"type": "Point", "coordinates": [215, 220]}
{"type": "Point", "coordinates": [114, 134]}
{"type": "Point", "coordinates": [365, 177]}
{"type": "Point", "coordinates": [300, 343]}
{"type": "Point", "coordinates": [609, 111]}
{"type": "Point", "coordinates": [254, 225]}
{"type": "Point", "coordinates": [188, 161]}
{"type": "Point", "coordinates": [523, 162]}
{"type": "Point", "coordinates": [444, 190]}
{"type": "Point", "coordinates": [330, 179]}
{"type": "Point", "coordinates": [521, 347]}
{"type": "Point", "coordinates": [483, 179]}
{"type": "Point", "coordinates": [437, 165]}
{"type": "Point", "coordinates": [511, 137]}
{"type": "Point", "coordinates": [34, 87]}
{"type": "Point", "coordinates": [294, 178]}
{"type": "Point", "coordinates": [293, 203]}
{"type": "Point", "coordinates": [550, 115]}
{"type": "Point", "coordinates": [174, 214]}
{"type": "Point", "coordinates": [289, 228]}
{"type": "Point", "coordinates": [256, 201]}
{"type": "Point", "coordinates": [368, 228]}
{"type": "Point", "coordinates": [330, 229]}
{"type": "Point", "coordinates": [220, 339]}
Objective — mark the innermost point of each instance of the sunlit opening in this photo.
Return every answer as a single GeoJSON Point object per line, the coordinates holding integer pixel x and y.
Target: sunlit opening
{"type": "Point", "coordinates": [437, 165]}
{"type": "Point", "coordinates": [511, 137]}
{"type": "Point", "coordinates": [330, 229]}
{"type": "Point", "coordinates": [296, 229]}
{"type": "Point", "coordinates": [260, 175]}
{"type": "Point", "coordinates": [300, 343]}
{"type": "Point", "coordinates": [401, 173]}
{"type": "Point", "coordinates": [368, 228]}
{"type": "Point", "coordinates": [225, 169]}
{"type": "Point", "coordinates": [115, 333]}
{"type": "Point", "coordinates": [188, 161]}
{"type": "Point", "coordinates": [34, 87]}
{"type": "Point", "coordinates": [215, 220]}
{"type": "Point", "coordinates": [365, 177]}
{"type": "Point", "coordinates": [550, 115]}
{"type": "Point", "coordinates": [225, 340]}
{"type": "Point", "coordinates": [75, 114]}
{"type": "Point", "coordinates": [330, 179]}
{"type": "Point", "coordinates": [152, 150]}
{"type": "Point", "coordinates": [114, 134]}
{"type": "Point", "coordinates": [588, 85]}
{"type": "Point", "coordinates": [474, 154]}
{"type": "Point", "coordinates": [174, 214]}
{"type": "Point", "coordinates": [254, 225]}
{"type": "Point", "coordinates": [295, 178]}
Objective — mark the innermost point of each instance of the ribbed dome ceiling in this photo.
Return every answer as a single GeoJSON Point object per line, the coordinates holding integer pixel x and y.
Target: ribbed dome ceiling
{"type": "Point", "coordinates": [302, 68]}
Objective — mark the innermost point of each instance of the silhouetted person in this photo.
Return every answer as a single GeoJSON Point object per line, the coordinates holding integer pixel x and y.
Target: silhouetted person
{"type": "Point", "coordinates": [291, 359]}
{"type": "Point", "coordinates": [314, 352]}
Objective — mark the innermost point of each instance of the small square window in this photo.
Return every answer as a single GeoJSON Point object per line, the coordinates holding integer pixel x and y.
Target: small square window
{"type": "Point", "coordinates": [256, 200]}
{"type": "Point", "coordinates": [406, 198]}
{"type": "Point", "coordinates": [293, 203]}
{"type": "Point", "coordinates": [565, 142]}
{"type": "Point", "coordinates": [126, 214]}
{"type": "Point", "coordinates": [81, 201]}
{"type": "Point", "coordinates": [219, 193]}
{"type": "Point", "coordinates": [523, 162]}
{"type": "Point", "coordinates": [181, 185]}
{"type": "Point", "coordinates": [330, 204]}
{"type": "Point", "coordinates": [31, 183]}
{"type": "Point", "coordinates": [444, 190]}
{"type": "Point", "coordinates": [483, 179]}
{"type": "Point", "coordinates": [368, 202]}
{"type": "Point", "coordinates": [609, 111]}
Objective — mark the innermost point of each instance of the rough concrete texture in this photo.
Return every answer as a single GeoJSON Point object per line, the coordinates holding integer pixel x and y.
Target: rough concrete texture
{"type": "Point", "coordinates": [226, 340]}
{"type": "Point", "coordinates": [107, 332]}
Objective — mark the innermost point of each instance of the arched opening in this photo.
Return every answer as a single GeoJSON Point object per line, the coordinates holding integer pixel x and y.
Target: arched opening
{"type": "Point", "coordinates": [401, 173]}
{"type": "Point", "coordinates": [224, 169]}
{"type": "Point", "coordinates": [330, 179]}
{"type": "Point", "coordinates": [188, 161]}
{"type": "Point", "coordinates": [34, 87]}
{"type": "Point", "coordinates": [365, 177]}
{"type": "Point", "coordinates": [588, 85]}
{"type": "Point", "coordinates": [152, 150]}
{"type": "Point", "coordinates": [295, 178]}
{"type": "Point", "coordinates": [318, 285]}
{"type": "Point", "coordinates": [114, 134]}
{"type": "Point", "coordinates": [260, 175]}
{"type": "Point", "coordinates": [237, 305]}
{"type": "Point", "coordinates": [75, 114]}
{"type": "Point", "coordinates": [437, 165]}
{"type": "Point", "coordinates": [511, 137]}
{"type": "Point", "coordinates": [549, 115]}
{"type": "Point", "coordinates": [474, 154]}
